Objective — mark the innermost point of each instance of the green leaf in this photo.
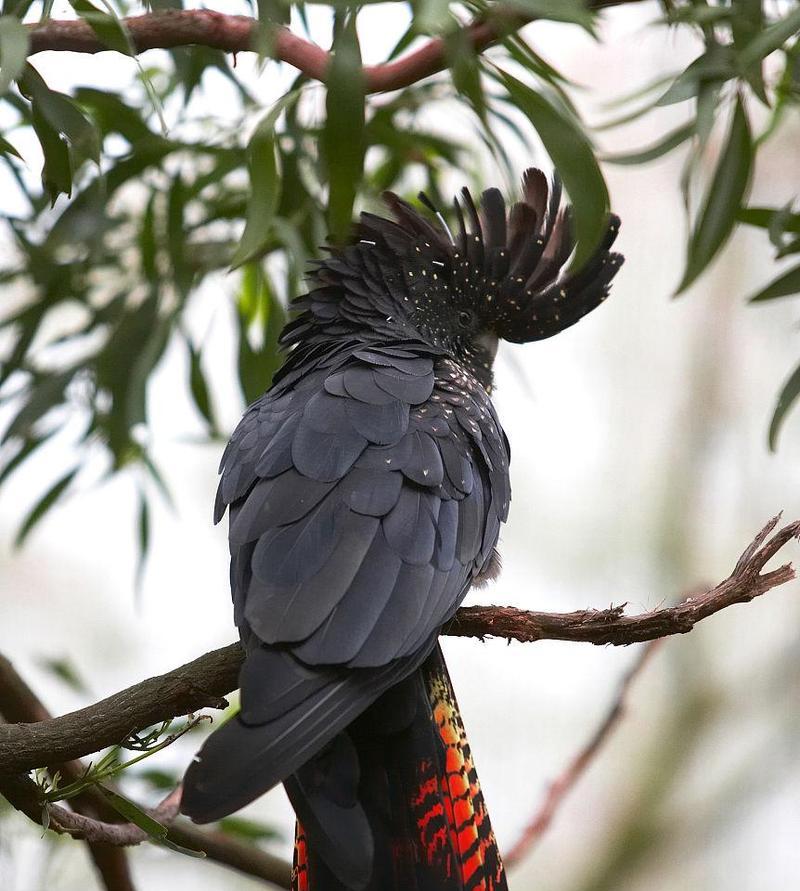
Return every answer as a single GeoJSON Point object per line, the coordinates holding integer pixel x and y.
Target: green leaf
{"type": "Point", "coordinates": [264, 184]}
{"type": "Point", "coordinates": [143, 539]}
{"type": "Point", "coordinates": [717, 64]}
{"type": "Point", "coordinates": [763, 217]}
{"type": "Point", "coordinates": [770, 39]}
{"type": "Point", "coordinates": [723, 199]}
{"type": "Point", "coordinates": [787, 397]}
{"type": "Point", "coordinates": [158, 778]}
{"type": "Point", "coordinates": [134, 814]}
{"type": "Point", "coordinates": [465, 70]}
{"type": "Point", "coordinates": [199, 387]}
{"type": "Point", "coordinates": [14, 46]}
{"type": "Point", "coordinates": [574, 12]}
{"type": "Point", "coordinates": [250, 830]}
{"type": "Point", "coordinates": [670, 141]}
{"type": "Point", "coordinates": [432, 17]}
{"type": "Point", "coordinates": [182, 274]}
{"type": "Point", "coordinates": [64, 669]}
{"type": "Point", "coordinates": [148, 243]}
{"type": "Point", "coordinates": [113, 115]}
{"type": "Point", "coordinates": [42, 506]}
{"type": "Point", "coordinates": [57, 168]}
{"type": "Point", "coordinates": [63, 115]}
{"type": "Point", "coordinates": [258, 304]}
{"type": "Point", "coordinates": [343, 135]}
{"type": "Point", "coordinates": [7, 149]}
{"type": "Point", "coordinates": [784, 286]}
{"type": "Point", "coordinates": [40, 397]}
{"type": "Point", "coordinates": [746, 23]}
{"type": "Point", "coordinates": [109, 29]}
{"type": "Point", "coordinates": [574, 159]}
{"type": "Point", "coordinates": [179, 849]}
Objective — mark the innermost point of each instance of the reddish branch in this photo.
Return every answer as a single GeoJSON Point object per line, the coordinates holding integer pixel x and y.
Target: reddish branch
{"type": "Point", "coordinates": [561, 787]}
{"type": "Point", "coordinates": [237, 33]}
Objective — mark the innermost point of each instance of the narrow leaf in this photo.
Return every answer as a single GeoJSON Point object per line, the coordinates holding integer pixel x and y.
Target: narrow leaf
{"type": "Point", "coordinates": [787, 397]}
{"type": "Point", "coordinates": [343, 135]}
{"type": "Point", "coordinates": [574, 12]}
{"type": "Point", "coordinates": [670, 141]}
{"type": "Point", "coordinates": [14, 46]}
{"type": "Point", "coordinates": [718, 64]}
{"type": "Point", "coordinates": [264, 183]}
{"type": "Point", "coordinates": [63, 115]}
{"type": "Point", "coordinates": [143, 539]}
{"type": "Point", "coordinates": [42, 506]}
{"type": "Point", "coordinates": [199, 387]}
{"type": "Point", "coordinates": [109, 29]}
{"type": "Point", "coordinates": [134, 814]}
{"type": "Point", "coordinates": [723, 198]}
{"type": "Point", "coordinates": [574, 159]}
{"type": "Point", "coordinates": [180, 849]}
{"type": "Point", "coordinates": [770, 39]}
{"type": "Point", "coordinates": [784, 286]}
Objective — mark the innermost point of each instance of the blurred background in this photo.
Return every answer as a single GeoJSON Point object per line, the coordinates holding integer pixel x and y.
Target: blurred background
{"type": "Point", "coordinates": [640, 472]}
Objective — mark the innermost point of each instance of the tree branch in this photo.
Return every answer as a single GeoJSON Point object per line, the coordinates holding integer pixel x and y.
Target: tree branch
{"type": "Point", "coordinates": [612, 626]}
{"type": "Point", "coordinates": [204, 681]}
{"type": "Point", "coordinates": [93, 820]}
{"type": "Point", "coordinates": [24, 795]}
{"type": "Point", "coordinates": [18, 702]}
{"type": "Point", "coordinates": [238, 33]}
{"type": "Point", "coordinates": [561, 787]}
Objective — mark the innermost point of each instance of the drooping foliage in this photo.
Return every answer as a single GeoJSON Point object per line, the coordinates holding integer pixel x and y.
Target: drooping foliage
{"type": "Point", "coordinates": [145, 193]}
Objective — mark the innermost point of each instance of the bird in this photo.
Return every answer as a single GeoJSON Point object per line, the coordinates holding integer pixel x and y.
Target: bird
{"type": "Point", "coordinates": [365, 491]}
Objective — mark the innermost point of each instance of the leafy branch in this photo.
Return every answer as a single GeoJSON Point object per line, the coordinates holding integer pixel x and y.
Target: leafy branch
{"type": "Point", "coordinates": [133, 213]}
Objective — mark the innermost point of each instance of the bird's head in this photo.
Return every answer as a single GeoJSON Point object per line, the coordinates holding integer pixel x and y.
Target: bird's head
{"type": "Point", "coordinates": [499, 275]}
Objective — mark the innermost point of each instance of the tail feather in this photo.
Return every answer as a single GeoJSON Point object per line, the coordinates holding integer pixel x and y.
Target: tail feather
{"type": "Point", "coordinates": [419, 791]}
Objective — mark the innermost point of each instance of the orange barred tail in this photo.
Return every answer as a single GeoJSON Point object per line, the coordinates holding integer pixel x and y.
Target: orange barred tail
{"type": "Point", "coordinates": [465, 813]}
{"type": "Point", "coordinates": [418, 789]}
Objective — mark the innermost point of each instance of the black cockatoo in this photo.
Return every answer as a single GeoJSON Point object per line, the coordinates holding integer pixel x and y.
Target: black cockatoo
{"type": "Point", "coordinates": [365, 491]}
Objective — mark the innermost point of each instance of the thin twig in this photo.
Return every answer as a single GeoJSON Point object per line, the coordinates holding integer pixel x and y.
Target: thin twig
{"type": "Point", "coordinates": [204, 681]}
{"type": "Point", "coordinates": [560, 788]}
{"type": "Point", "coordinates": [25, 796]}
{"type": "Point", "coordinates": [238, 33]}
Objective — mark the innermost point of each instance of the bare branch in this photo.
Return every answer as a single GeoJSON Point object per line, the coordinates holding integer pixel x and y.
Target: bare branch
{"type": "Point", "coordinates": [612, 626]}
{"type": "Point", "coordinates": [561, 787]}
{"type": "Point", "coordinates": [238, 33]}
{"type": "Point", "coordinates": [207, 679]}
{"type": "Point", "coordinates": [198, 684]}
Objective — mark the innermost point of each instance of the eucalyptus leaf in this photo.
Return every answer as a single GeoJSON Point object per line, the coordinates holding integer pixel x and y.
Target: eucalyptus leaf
{"type": "Point", "coordinates": [573, 157]}
{"type": "Point", "coordinates": [786, 285]}
{"type": "Point", "coordinates": [134, 814]}
{"type": "Point", "coordinates": [264, 183]}
{"type": "Point", "coordinates": [14, 47]}
{"type": "Point", "coordinates": [770, 39]}
{"type": "Point", "coordinates": [723, 198]}
{"type": "Point", "coordinates": [109, 29]}
{"type": "Point", "coordinates": [666, 144]}
{"type": "Point", "coordinates": [42, 506]}
{"type": "Point", "coordinates": [786, 399]}
{"type": "Point", "coordinates": [343, 134]}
